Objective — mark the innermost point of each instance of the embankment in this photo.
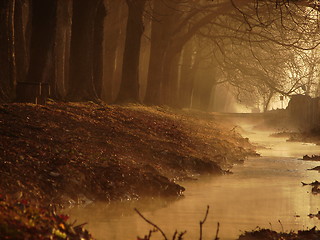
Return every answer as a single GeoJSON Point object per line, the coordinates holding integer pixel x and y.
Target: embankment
{"type": "Point", "coordinates": [78, 152]}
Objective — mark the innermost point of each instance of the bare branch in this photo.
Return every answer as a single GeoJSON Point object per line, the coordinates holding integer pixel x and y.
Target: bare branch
{"type": "Point", "coordinates": [203, 221]}
{"type": "Point", "coordinates": [217, 233]}
{"type": "Point", "coordinates": [152, 224]}
{"type": "Point", "coordinates": [181, 235]}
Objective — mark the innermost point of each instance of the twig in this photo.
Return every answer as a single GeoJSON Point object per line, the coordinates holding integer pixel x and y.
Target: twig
{"type": "Point", "coordinates": [203, 221]}
{"type": "Point", "coordinates": [270, 225]}
{"type": "Point", "coordinates": [150, 233]}
{"type": "Point", "coordinates": [80, 225]}
{"type": "Point", "coordinates": [151, 223]}
{"type": "Point", "coordinates": [181, 235]}
{"type": "Point", "coordinates": [217, 233]}
{"type": "Point", "coordinates": [281, 225]}
{"type": "Point", "coordinates": [174, 235]}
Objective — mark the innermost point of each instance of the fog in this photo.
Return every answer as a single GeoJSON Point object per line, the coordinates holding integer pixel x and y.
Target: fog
{"type": "Point", "coordinates": [154, 79]}
{"type": "Point", "coordinates": [260, 192]}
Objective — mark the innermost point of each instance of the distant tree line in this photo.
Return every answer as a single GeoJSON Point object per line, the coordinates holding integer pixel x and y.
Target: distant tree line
{"type": "Point", "coordinates": [159, 52]}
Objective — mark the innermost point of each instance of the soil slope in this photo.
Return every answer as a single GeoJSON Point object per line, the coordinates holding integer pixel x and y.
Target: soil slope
{"type": "Point", "coordinates": [78, 152]}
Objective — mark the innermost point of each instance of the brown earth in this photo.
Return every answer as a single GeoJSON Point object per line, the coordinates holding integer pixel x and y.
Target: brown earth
{"type": "Point", "coordinates": [76, 152]}
{"type": "Point", "coordinates": [267, 234]}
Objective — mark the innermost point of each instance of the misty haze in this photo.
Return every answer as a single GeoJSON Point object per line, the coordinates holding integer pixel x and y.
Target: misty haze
{"type": "Point", "coordinates": [159, 119]}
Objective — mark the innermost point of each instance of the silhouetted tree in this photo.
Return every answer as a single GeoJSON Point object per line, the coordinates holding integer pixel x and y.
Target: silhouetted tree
{"type": "Point", "coordinates": [7, 56]}
{"type": "Point", "coordinates": [129, 88]}
{"type": "Point", "coordinates": [86, 47]}
{"type": "Point", "coordinates": [98, 54]}
{"type": "Point", "coordinates": [22, 38]}
{"type": "Point", "coordinates": [205, 80]}
{"type": "Point", "coordinates": [61, 53]}
{"type": "Point", "coordinates": [115, 25]}
{"type": "Point", "coordinates": [174, 24]}
{"type": "Point", "coordinates": [42, 38]}
{"type": "Point", "coordinates": [158, 44]}
{"type": "Point", "coordinates": [190, 64]}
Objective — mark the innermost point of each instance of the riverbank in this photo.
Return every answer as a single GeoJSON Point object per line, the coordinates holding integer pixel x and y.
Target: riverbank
{"type": "Point", "coordinates": [21, 220]}
{"type": "Point", "coordinates": [83, 152]}
{"type": "Point", "coordinates": [267, 234]}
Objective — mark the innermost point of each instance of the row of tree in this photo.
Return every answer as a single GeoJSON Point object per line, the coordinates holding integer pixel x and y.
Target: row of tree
{"type": "Point", "coordinates": [157, 51]}
{"type": "Point", "coordinates": [54, 41]}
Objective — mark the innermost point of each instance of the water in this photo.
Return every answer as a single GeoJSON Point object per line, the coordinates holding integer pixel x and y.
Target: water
{"type": "Point", "coordinates": [261, 192]}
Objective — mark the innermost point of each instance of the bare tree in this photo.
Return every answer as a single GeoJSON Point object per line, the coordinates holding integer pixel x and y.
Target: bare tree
{"type": "Point", "coordinates": [174, 24]}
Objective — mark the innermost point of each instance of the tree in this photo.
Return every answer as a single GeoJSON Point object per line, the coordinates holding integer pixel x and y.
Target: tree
{"type": "Point", "coordinates": [61, 52]}
{"type": "Point", "coordinates": [98, 36]}
{"type": "Point", "coordinates": [115, 25]}
{"type": "Point", "coordinates": [189, 65]}
{"type": "Point", "coordinates": [129, 88]}
{"type": "Point", "coordinates": [42, 38]}
{"type": "Point", "coordinates": [249, 40]}
{"type": "Point", "coordinates": [174, 24]}
{"type": "Point", "coordinates": [7, 56]}
{"type": "Point", "coordinates": [86, 45]}
{"type": "Point", "coordinates": [21, 38]}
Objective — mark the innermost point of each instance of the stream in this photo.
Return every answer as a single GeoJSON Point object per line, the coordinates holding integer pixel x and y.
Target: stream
{"type": "Point", "coordinates": [263, 192]}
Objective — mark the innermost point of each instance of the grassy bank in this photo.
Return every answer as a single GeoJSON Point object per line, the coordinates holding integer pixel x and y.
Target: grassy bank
{"type": "Point", "coordinates": [78, 152]}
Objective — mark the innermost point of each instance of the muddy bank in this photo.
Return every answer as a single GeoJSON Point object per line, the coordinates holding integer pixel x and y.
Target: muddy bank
{"type": "Point", "coordinates": [80, 152]}
{"type": "Point", "coordinates": [267, 234]}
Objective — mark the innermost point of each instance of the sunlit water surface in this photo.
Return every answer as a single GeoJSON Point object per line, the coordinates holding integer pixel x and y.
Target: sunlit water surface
{"type": "Point", "coordinates": [261, 192]}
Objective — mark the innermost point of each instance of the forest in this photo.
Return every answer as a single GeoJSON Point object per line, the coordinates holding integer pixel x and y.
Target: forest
{"type": "Point", "coordinates": [183, 54]}
{"type": "Point", "coordinates": [161, 106]}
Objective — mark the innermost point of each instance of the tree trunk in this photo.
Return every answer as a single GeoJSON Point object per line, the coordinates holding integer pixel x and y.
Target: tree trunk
{"type": "Point", "coordinates": [190, 63]}
{"type": "Point", "coordinates": [155, 73]}
{"type": "Point", "coordinates": [82, 77]}
{"type": "Point", "coordinates": [42, 37]}
{"type": "Point", "coordinates": [115, 26]}
{"type": "Point", "coordinates": [21, 42]}
{"type": "Point", "coordinates": [267, 100]}
{"type": "Point", "coordinates": [160, 36]}
{"type": "Point", "coordinates": [144, 58]}
{"type": "Point", "coordinates": [98, 48]}
{"type": "Point", "coordinates": [129, 88]}
{"type": "Point", "coordinates": [169, 89]}
{"type": "Point", "coordinates": [205, 81]}
{"type": "Point", "coordinates": [205, 96]}
{"type": "Point", "coordinates": [7, 53]}
{"type": "Point", "coordinates": [62, 47]}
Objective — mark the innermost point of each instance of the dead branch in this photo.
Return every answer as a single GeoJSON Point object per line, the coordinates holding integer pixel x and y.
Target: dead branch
{"type": "Point", "coordinates": [281, 225]}
{"type": "Point", "coordinates": [174, 235]}
{"type": "Point", "coordinates": [203, 221]}
{"type": "Point", "coordinates": [217, 233]}
{"type": "Point", "coordinates": [181, 235]}
{"type": "Point", "coordinates": [152, 224]}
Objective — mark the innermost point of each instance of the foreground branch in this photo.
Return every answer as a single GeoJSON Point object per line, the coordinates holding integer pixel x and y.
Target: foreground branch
{"type": "Point", "coordinates": [217, 233]}
{"type": "Point", "coordinates": [176, 236]}
{"type": "Point", "coordinates": [152, 224]}
{"type": "Point", "coordinates": [203, 221]}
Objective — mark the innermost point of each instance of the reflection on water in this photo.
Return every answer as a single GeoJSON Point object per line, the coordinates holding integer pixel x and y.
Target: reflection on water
{"type": "Point", "coordinates": [259, 193]}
